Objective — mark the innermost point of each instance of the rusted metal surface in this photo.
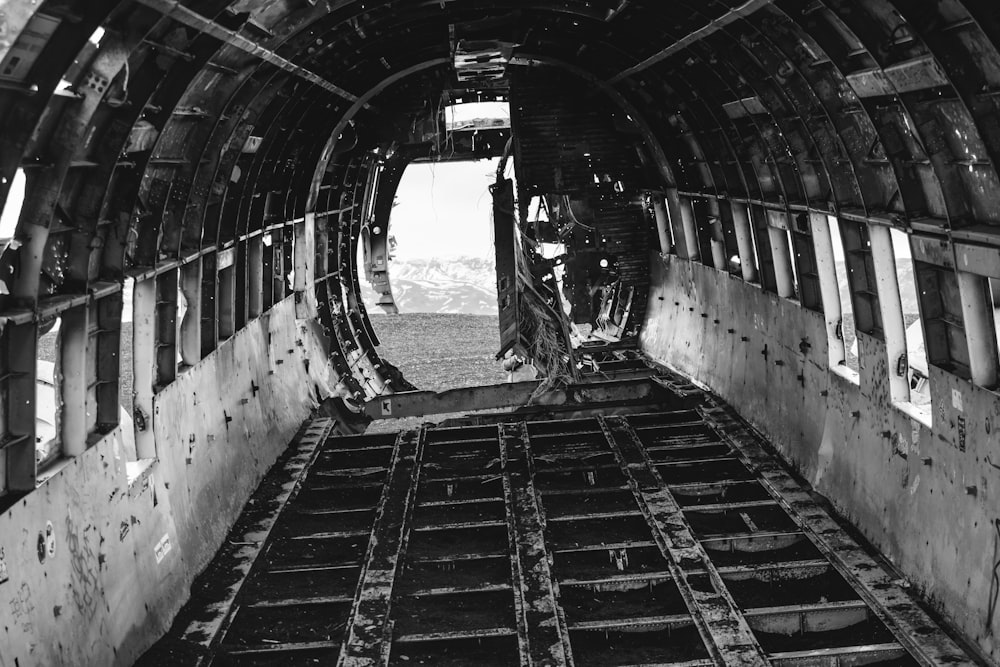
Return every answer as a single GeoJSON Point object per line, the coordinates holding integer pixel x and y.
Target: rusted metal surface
{"type": "Point", "coordinates": [716, 24]}
{"type": "Point", "coordinates": [725, 632]}
{"type": "Point", "coordinates": [622, 381]}
{"type": "Point", "coordinates": [541, 629]}
{"type": "Point", "coordinates": [369, 628]}
{"type": "Point", "coordinates": [179, 138]}
{"type": "Point", "coordinates": [662, 537]}
{"type": "Point", "coordinates": [205, 632]}
{"type": "Point", "coordinates": [297, 566]}
{"type": "Point", "coordinates": [179, 12]}
{"type": "Point", "coordinates": [805, 132]}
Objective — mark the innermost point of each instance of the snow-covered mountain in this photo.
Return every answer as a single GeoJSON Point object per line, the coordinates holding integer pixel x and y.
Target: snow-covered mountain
{"type": "Point", "coordinates": [465, 285]}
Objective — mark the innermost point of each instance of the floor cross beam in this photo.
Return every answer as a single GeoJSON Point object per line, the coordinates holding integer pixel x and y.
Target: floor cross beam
{"type": "Point", "coordinates": [888, 600]}
{"type": "Point", "coordinates": [727, 635]}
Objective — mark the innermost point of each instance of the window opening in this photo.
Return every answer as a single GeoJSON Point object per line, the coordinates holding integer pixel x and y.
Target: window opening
{"type": "Point", "coordinates": [781, 254]}
{"type": "Point", "coordinates": [189, 315]}
{"type": "Point", "coordinates": [94, 380]}
{"type": "Point", "coordinates": [48, 415]}
{"type": "Point", "coordinates": [804, 263]}
{"type": "Point", "coordinates": [477, 116]}
{"type": "Point", "coordinates": [268, 270]}
{"type": "Point", "coordinates": [915, 362]}
{"type": "Point", "coordinates": [846, 330]}
{"type": "Point", "coordinates": [941, 306]}
{"type": "Point", "coordinates": [745, 242]}
{"type": "Point", "coordinates": [182, 309]}
{"type": "Point", "coordinates": [861, 277]}
{"type": "Point", "coordinates": [241, 291]}
{"type": "Point", "coordinates": [288, 261]}
{"type": "Point", "coordinates": [762, 242]}
{"type": "Point", "coordinates": [255, 277]}
{"type": "Point", "coordinates": [661, 220]}
{"type": "Point", "coordinates": [704, 224]}
{"type": "Point", "coordinates": [793, 264]}
{"type": "Point", "coordinates": [126, 385]}
{"type": "Point", "coordinates": [734, 264]}
{"type": "Point", "coordinates": [208, 303]}
{"type": "Point", "coordinates": [227, 297]}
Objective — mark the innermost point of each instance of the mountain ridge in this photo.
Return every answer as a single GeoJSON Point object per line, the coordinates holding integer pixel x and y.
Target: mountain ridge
{"type": "Point", "coordinates": [459, 285]}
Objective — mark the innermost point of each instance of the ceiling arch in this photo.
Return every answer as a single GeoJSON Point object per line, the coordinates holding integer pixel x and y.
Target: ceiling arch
{"type": "Point", "coordinates": [157, 131]}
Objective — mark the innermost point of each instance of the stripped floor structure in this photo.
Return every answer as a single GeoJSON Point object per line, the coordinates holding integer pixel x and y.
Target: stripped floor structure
{"type": "Point", "coordinates": [644, 532]}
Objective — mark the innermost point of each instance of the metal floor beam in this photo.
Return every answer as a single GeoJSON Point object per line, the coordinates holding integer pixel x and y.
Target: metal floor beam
{"type": "Point", "coordinates": [369, 628]}
{"type": "Point", "coordinates": [726, 633]}
{"type": "Point", "coordinates": [541, 629]}
{"type": "Point", "coordinates": [662, 536]}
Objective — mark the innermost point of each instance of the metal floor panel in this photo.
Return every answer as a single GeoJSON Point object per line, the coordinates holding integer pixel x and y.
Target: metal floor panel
{"type": "Point", "coordinates": [661, 537]}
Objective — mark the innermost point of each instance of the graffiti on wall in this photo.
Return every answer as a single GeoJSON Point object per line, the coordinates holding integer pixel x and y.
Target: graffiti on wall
{"type": "Point", "coordinates": [22, 609]}
{"type": "Point", "coordinates": [84, 566]}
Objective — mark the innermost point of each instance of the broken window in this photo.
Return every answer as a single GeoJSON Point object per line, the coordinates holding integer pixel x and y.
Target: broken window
{"type": "Point", "coordinates": [785, 276]}
{"type": "Point", "coordinates": [270, 260]}
{"type": "Point", "coordinates": [255, 277]}
{"type": "Point", "coordinates": [477, 116]}
{"type": "Point", "coordinates": [48, 399]}
{"type": "Point", "coordinates": [277, 263]}
{"type": "Point", "coordinates": [227, 300]}
{"type": "Point", "coordinates": [861, 277]}
{"type": "Point", "coordinates": [125, 360]}
{"type": "Point", "coordinates": [709, 234]}
{"type": "Point", "coordinates": [793, 266]}
{"type": "Point", "coordinates": [288, 261]}
{"type": "Point", "coordinates": [845, 332]}
{"type": "Point", "coordinates": [188, 309]}
{"type": "Point", "coordinates": [804, 263]}
{"type": "Point", "coordinates": [656, 208]}
{"type": "Point", "coordinates": [76, 388]}
{"type": "Point", "coordinates": [941, 305]}
{"type": "Point", "coordinates": [914, 362]}
{"type": "Point", "coordinates": [745, 242]}
{"type": "Point", "coordinates": [209, 333]}
{"type": "Point", "coordinates": [182, 310]}
{"type": "Point", "coordinates": [730, 241]}
{"type": "Point", "coordinates": [762, 243]}
{"type": "Point", "coordinates": [143, 363]}
{"type": "Point", "coordinates": [240, 292]}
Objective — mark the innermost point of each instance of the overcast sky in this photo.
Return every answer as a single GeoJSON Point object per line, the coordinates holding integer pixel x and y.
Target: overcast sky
{"type": "Point", "coordinates": [444, 210]}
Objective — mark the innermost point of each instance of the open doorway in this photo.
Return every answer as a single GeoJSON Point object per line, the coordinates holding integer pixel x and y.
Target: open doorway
{"type": "Point", "coordinates": [442, 272]}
